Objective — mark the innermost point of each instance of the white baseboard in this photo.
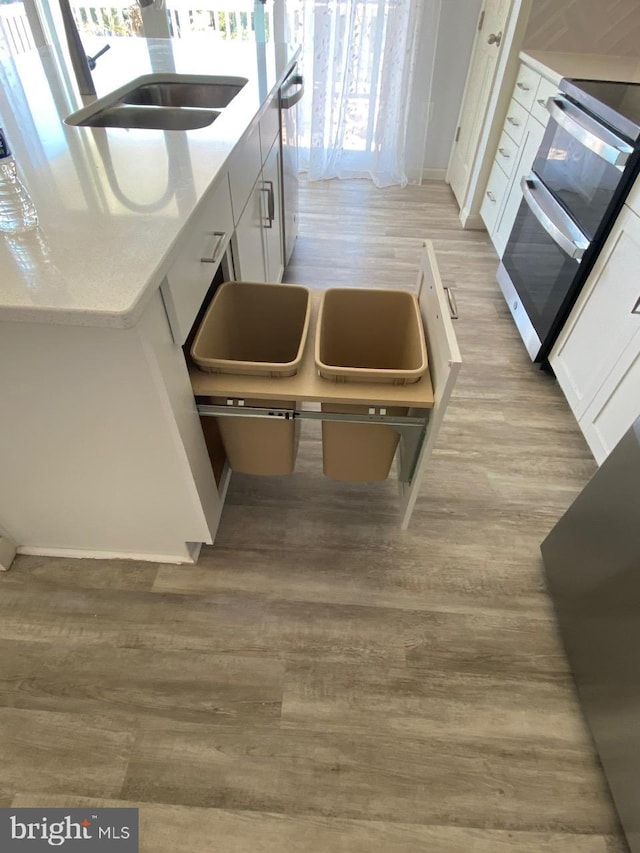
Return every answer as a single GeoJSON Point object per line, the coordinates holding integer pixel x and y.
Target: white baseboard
{"type": "Point", "coordinates": [193, 549]}
{"type": "Point", "coordinates": [472, 221]}
{"type": "Point", "coordinates": [434, 174]}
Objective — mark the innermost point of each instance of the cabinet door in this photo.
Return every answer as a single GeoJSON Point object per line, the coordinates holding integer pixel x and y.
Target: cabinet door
{"type": "Point", "coordinates": [274, 262]}
{"type": "Point", "coordinates": [603, 320]}
{"type": "Point", "coordinates": [532, 138]}
{"type": "Point", "coordinates": [248, 239]}
{"type": "Point", "coordinates": [616, 405]}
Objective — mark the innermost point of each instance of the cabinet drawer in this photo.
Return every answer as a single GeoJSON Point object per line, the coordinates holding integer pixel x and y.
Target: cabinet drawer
{"type": "Point", "coordinates": [539, 109]}
{"type": "Point", "coordinates": [515, 121]}
{"type": "Point", "coordinates": [526, 86]}
{"type": "Point", "coordinates": [494, 193]}
{"type": "Point", "coordinates": [507, 154]}
{"type": "Point", "coordinates": [269, 127]}
{"type": "Point", "coordinates": [244, 169]}
{"type": "Point", "coordinates": [206, 236]}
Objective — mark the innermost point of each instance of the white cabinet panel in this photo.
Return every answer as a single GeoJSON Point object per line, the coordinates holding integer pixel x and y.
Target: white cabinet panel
{"type": "Point", "coordinates": [526, 154]}
{"type": "Point", "coordinates": [248, 239]}
{"type": "Point", "coordinates": [507, 154]}
{"type": "Point", "coordinates": [493, 197]}
{"type": "Point", "coordinates": [539, 107]}
{"type": "Point", "coordinates": [274, 262]}
{"type": "Point", "coordinates": [244, 169]}
{"type": "Point", "coordinates": [526, 86]}
{"type": "Point", "coordinates": [516, 121]}
{"type": "Point", "coordinates": [616, 406]}
{"type": "Point", "coordinates": [602, 322]}
{"type": "Point", "coordinates": [187, 282]}
{"type": "Point", "coordinates": [269, 127]}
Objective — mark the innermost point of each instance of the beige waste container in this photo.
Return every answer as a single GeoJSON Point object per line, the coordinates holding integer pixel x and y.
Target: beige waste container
{"type": "Point", "coordinates": [366, 335]}
{"type": "Point", "coordinates": [256, 329]}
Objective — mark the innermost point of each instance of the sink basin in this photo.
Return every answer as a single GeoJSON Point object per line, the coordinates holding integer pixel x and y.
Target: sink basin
{"type": "Point", "coordinates": [162, 102]}
{"type": "Point", "coordinates": [179, 94]}
{"type": "Point", "coordinates": [151, 118]}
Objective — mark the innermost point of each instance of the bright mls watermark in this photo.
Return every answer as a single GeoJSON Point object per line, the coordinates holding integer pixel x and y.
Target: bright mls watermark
{"type": "Point", "coordinates": [79, 830]}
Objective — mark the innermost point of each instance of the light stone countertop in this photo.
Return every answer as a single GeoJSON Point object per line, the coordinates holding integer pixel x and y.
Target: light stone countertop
{"type": "Point", "coordinates": [112, 202]}
{"type": "Point", "coordinates": [586, 66]}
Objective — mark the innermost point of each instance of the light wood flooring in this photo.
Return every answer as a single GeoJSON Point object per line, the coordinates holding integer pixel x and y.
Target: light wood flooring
{"type": "Point", "coordinates": [322, 681]}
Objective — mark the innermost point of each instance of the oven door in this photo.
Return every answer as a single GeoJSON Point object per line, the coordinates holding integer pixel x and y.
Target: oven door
{"type": "Point", "coordinates": [540, 264]}
{"type": "Point", "coordinates": [581, 162]}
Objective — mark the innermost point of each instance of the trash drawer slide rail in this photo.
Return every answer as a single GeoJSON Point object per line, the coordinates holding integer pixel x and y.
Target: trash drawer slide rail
{"type": "Point", "coordinates": [410, 429]}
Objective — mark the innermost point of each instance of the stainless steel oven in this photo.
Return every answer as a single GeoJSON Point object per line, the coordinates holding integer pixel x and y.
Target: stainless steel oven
{"type": "Point", "coordinates": [585, 166]}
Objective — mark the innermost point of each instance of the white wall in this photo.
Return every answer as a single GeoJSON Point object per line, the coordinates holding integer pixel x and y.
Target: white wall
{"type": "Point", "coordinates": [458, 23]}
{"type": "Point", "coordinates": [585, 26]}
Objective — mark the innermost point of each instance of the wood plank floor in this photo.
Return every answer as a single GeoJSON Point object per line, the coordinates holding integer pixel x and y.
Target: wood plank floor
{"type": "Point", "coordinates": [322, 681]}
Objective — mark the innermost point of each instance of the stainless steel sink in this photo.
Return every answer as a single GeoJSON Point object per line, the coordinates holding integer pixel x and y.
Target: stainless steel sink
{"type": "Point", "coordinates": [162, 102]}
{"type": "Point", "coordinates": [179, 94]}
{"type": "Point", "coordinates": [152, 118]}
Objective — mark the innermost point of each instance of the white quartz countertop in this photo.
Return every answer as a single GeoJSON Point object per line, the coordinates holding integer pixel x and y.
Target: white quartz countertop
{"type": "Point", "coordinates": [111, 202]}
{"type": "Point", "coordinates": [585, 66]}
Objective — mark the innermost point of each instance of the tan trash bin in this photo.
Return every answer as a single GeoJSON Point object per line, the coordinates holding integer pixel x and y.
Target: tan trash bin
{"type": "Point", "coordinates": [256, 329]}
{"type": "Point", "coordinates": [366, 335]}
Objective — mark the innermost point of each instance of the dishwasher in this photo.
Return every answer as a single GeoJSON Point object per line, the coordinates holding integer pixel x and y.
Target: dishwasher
{"type": "Point", "coordinates": [291, 93]}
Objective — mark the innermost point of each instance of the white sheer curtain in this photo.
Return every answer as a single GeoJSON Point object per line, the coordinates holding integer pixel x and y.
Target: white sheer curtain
{"type": "Point", "coordinates": [368, 66]}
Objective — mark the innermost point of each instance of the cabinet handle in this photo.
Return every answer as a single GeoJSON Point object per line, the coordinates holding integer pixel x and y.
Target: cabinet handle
{"type": "Point", "coordinates": [513, 121]}
{"type": "Point", "coordinates": [504, 153]}
{"type": "Point", "coordinates": [523, 86]}
{"type": "Point", "coordinates": [221, 235]}
{"type": "Point", "coordinates": [490, 196]}
{"type": "Point", "coordinates": [542, 102]}
{"type": "Point", "coordinates": [271, 204]}
{"type": "Point", "coordinates": [453, 307]}
{"type": "Point", "coordinates": [636, 307]}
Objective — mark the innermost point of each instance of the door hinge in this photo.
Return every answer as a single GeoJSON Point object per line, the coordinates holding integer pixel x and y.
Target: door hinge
{"type": "Point", "coordinates": [457, 134]}
{"type": "Point", "coordinates": [481, 21]}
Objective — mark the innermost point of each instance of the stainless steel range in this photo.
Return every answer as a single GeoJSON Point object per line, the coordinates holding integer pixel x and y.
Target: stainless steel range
{"type": "Point", "coordinates": [588, 160]}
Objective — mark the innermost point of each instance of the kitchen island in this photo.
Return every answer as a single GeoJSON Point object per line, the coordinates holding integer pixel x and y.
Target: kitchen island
{"type": "Point", "coordinates": [102, 452]}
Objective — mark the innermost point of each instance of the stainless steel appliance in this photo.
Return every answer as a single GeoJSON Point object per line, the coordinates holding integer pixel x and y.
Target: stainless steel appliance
{"type": "Point", "coordinates": [587, 162]}
{"type": "Point", "coordinates": [290, 96]}
{"type": "Point", "coordinates": [592, 563]}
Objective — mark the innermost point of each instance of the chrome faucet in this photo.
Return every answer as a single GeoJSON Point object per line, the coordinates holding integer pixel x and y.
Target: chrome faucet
{"type": "Point", "coordinates": [82, 64]}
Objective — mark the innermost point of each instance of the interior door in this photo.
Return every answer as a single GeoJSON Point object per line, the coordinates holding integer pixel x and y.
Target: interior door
{"type": "Point", "coordinates": [486, 50]}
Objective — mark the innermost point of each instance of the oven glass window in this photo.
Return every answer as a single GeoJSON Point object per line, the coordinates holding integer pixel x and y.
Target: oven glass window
{"type": "Point", "coordinates": [540, 271]}
{"type": "Point", "coordinates": [584, 182]}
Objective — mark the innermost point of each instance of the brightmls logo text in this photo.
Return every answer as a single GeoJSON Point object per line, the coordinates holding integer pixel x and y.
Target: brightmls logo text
{"type": "Point", "coordinates": [79, 830]}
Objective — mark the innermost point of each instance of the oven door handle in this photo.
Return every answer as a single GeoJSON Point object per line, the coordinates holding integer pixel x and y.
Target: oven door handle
{"type": "Point", "coordinates": [589, 132]}
{"type": "Point", "coordinates": [558, 224]}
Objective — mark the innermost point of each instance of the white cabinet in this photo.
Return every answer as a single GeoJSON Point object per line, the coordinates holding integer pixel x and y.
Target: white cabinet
{"type": "Point", "coordinates": [254, 177]}
{"type": "Point", "coordinates": [531, 139]}
{"type": "Point", "coordinates": [188, 279]}
{"type": "Point", "coordinates": [272, 222]}
{"type": "Point", "coordinates": [248, 240]}
{"type": "Point", "coordinates": [596, 358]}
{"type": "Point", "coordinates": [522, 134]}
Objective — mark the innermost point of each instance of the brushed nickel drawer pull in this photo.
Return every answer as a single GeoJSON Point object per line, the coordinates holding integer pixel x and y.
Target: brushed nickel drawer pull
{"type": "Point", "coordinates": [542, 102]}
{"type": "Point", "coordinates": [636, 307]}
{"type": "Point", "coordinates": [504, 153]}
{"type": "Point", "coordinates": [453, 306]}
{"type": "Point", "coordinates": [513, 121]}
{"type": "Point", "coordinates": [221, 235]}
{"type": "Point", "coordinates": [490, 196]}
{"type": "Point", "coordinates": [524, 87]}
